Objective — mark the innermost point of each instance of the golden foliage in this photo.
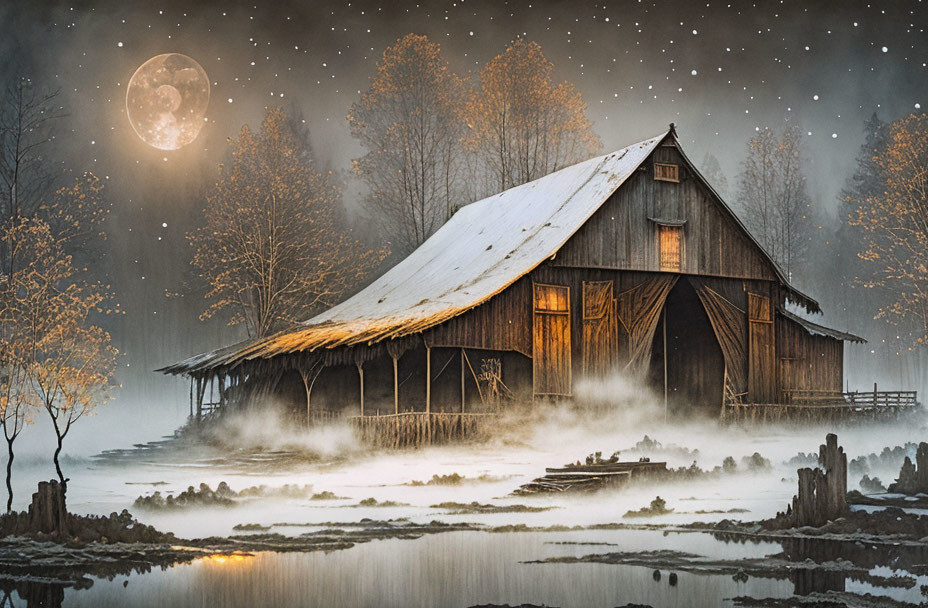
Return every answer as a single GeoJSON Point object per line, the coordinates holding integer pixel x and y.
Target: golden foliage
{"type": "Point", "coordinates": [53, 356]}
{"type": "Point", "coordinates": [523, 125]}
{"type": "Point", "coordinates": [270, 249]}
{"type": "Point", "coordinates": [896, 223]}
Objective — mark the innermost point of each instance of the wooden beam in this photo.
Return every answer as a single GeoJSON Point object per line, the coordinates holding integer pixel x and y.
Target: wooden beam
{"type": "Point", "coordinates": [462, 380]}
{"type": "Point", "coordinates": [361, 385]}
{"type": "Point", "coordinates": [428, 379]}
{"type": "Point", "coordinates": [396, 385]}
{"type": "Point", "coordinates": [199, 399]}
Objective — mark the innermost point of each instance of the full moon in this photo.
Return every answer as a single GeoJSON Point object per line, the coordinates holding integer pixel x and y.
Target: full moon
{"type": "Point", "coordinates": [166, 101]}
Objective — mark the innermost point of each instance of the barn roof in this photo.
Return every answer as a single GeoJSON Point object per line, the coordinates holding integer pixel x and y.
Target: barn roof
{"type": "Point", "coordinates": [484, 248]}
{"type": "Point", "coordinates": [820, 330]}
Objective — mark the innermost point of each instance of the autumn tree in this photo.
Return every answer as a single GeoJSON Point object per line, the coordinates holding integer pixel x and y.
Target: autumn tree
{"type": "Point", "coordinates": [894, 218]}
{"type": "Point", "coordinates": [772, 194]}
{"type": "Point", "coordinates": [53, 355]}
{"type": "Point", "coordinates": [522, 124]}
{"type": "Point", "coordinates": [44, 234]}
{"type": "Point", "coordinates": [409, 120]}
{"type": "Point", "coordinates": [271, 249]}
{"type": "Point", "coordinates": [17, 402]}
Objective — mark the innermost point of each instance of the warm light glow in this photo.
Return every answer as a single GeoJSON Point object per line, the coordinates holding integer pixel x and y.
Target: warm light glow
{"type": "Point", "coordinates": [166, 101]}
{"type": "Point", "coordinates": [227, 558]}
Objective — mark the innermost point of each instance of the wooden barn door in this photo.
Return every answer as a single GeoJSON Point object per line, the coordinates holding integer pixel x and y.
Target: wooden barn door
{"type": "Point", "coordinates": [551, 341]}
{"type": "Point", "coordinates": [762, 355]}
{"type": "Point", "coordinates": [599, 328]}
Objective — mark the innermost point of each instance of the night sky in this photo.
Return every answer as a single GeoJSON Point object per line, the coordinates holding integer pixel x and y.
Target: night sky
{"type": "Point", "coordinates": [720, 71]}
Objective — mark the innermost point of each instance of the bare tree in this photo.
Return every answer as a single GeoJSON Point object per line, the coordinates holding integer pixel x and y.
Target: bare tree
{"type": "Point", "coordinates": [772, 193]}
{"type": "Point", "coordinates": [271, 250]}
{"type": "Point", "coordinates": [27, 117]}
{"type": "Point", "coordinates": [409, 120]}
{"type": "Point", "coordinates": [522, 124]}
{"type": "Point", "coordinates": [894, 218]}
{"type": "Point", "coordinates": [712, 171]}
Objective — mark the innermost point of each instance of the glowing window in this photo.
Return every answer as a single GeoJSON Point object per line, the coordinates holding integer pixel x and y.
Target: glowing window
{"type": "Point", "coordinates": [671, 248]}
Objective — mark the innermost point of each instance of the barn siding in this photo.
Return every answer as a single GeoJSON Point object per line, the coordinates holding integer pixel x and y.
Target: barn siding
{"type": "Point", "coordinates": [504, 322]}
{"type": "Point", "coordinates": [621, 236]}
{"type": "Point", "coordinates": [805, 361]}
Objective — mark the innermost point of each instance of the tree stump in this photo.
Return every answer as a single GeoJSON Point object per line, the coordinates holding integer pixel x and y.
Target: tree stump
{"type": "Point", "coordinates": [48, 513]}
{"type": "Point", "coordinates": [913, 477]}
{"type": "Point", "coordinates": [822, 494]}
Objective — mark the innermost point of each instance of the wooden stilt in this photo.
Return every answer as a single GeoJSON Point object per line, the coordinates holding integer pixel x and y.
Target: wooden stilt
{"type": "Point", "coordinates": [462, 381]}
{"type": "Point", "coordinates": [428, 393]}
{"type": "Point", "coordinates": [396, 385]}
{"type": "Point", "coordinates": [199, 399]}
{"type": "Point", "coordinates": [361, 386]}
{"type": "Point", "coordinates": [428, 379]}
{"type": "Point", "coordinates": [309, 376]}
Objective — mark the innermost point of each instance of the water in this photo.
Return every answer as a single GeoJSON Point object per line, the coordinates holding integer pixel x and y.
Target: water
{"type": "Point", "coordinates": [466, 568]}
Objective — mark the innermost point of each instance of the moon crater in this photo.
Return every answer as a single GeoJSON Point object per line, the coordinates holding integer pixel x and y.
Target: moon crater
{"type": "Point", "coordinates": [167, 99]}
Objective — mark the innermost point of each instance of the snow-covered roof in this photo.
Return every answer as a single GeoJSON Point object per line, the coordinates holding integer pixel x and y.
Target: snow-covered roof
{"type": "Point", "coordinates": [820, 330]}
{"type": "Point", "coordinates": [483, 249]}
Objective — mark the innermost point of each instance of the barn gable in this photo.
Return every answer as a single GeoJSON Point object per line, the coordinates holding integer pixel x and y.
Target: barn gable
{"type": "Point", "coordinates": [667, 198]}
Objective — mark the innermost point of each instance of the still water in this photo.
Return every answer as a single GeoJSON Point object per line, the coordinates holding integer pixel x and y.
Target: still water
{"type": "Point", "coordinates": [467, 568]}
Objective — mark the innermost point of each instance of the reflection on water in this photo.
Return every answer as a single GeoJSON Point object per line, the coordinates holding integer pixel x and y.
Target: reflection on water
{"type": "Point", "coordinates": [451, 569]}
{"type": "Point", "coordinates": [467, 568]}
{"type": "Point", "coordinates": [464, 568]}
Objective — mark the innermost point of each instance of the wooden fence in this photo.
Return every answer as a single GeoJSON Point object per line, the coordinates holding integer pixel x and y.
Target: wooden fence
{"type": "Point", "coordinates": [418, 429]}
{"type": "Point", "coordinates": [825, 406]}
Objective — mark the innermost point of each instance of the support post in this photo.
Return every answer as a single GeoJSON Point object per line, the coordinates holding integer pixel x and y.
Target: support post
{"type": "Point", "coordinates": [199, 399]}
{"type": "Point", "coordinates": [462, 381]}
{"type": "Point", "coordinates": [664, 324]}
{"type": "Point", "coordinates": [396, 385]}
{"type": "Point", "coordinates": [428, 394]}
{"type": "Point", "coordinates": [428, 379]}
{"type": "Point", "coordinates": [361, 385]}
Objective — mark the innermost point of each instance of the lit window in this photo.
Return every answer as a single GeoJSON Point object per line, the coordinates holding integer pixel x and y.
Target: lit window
{"type": "Point", "coordinates": [671, 248]}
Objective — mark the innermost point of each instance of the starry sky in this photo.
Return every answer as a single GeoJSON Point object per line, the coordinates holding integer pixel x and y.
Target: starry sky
{"type": "Point", "coordinates": [719, 70]}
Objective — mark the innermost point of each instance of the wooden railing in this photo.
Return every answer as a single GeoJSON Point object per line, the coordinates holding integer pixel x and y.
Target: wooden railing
{"type": "Point", "coordinates": [417, 429]}
{"type": "Point", "coordinates": [824, 406]}
{"type": "Point", "coordinates": [856, 399]}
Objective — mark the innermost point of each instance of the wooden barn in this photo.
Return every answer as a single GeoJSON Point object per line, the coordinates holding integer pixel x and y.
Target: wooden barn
{"type": "Point", "coordinates": [627, 263]}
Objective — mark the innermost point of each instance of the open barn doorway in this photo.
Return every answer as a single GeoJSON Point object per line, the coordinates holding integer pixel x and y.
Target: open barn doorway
{"type": "Point", "coordinates": [686, 360]}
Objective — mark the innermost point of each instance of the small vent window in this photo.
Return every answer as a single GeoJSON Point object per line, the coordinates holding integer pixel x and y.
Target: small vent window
{"type": "Point", "coordinates": [666, 172]}
{"type": "Point", "coordinates": [671, 248]}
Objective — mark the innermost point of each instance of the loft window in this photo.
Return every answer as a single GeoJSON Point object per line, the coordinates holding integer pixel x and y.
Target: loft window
{"type": "Point", "coordinates": [671, 248]}
{"type": "Point", "coordinates": [666, 172]}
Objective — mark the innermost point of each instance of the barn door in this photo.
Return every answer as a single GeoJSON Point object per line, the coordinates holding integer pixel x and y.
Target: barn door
{"type": "Point", "coordinates": [599, 328]}
{"type": "Point", "coordinates": [762, 356]}
{"type": "Point", "coordinates": [551, 340]}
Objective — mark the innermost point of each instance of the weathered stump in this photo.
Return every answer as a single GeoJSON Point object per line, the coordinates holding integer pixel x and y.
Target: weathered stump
{"type": "Point", "coordinates": [913, 477]}
{"type": "Point", "coordinates": [822, 494]}
{"type": "Point", "coordinates": [48, 513]}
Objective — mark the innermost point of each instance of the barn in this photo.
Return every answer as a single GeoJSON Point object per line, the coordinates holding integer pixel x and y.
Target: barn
{"type": "Point", "coordinates": [627, 263]}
